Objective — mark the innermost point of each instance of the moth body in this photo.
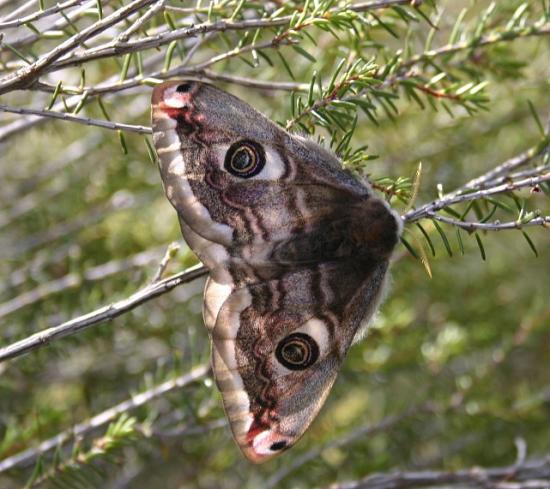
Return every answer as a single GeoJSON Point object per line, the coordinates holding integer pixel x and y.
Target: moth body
{"type": "Point", "coordinates": [297, 249]}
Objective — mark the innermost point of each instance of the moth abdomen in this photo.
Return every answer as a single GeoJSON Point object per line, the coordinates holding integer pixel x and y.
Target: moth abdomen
{"type": "Point", "coordinates": [374, 227]}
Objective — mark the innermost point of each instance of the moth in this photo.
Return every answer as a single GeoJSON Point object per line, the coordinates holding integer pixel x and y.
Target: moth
{"type": "Point", "coordinates": [297, 251]}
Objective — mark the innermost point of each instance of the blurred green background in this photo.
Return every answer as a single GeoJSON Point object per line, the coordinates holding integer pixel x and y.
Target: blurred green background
{"type": "Point", "coordinates": [473, 341]}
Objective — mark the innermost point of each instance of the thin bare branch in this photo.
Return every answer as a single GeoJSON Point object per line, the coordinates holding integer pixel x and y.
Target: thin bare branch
{"type": "Point", "coordinates": [492, 226]}
{"type": "Point", "coordinates": [24, 76]}
{"type": "Point", "coordinates": [48, 63]}
{"type": "Point", "coordinates": [384, 425]}
{"type": "Point", "coordinates": [446, 201]}
{"type": "Point", "coordinates": [101, 315]}
{"type": "Point", "coordinates": [487, 40]}
{"type": "Point", "coordinates": [19, 10]}
{"type": "Point", "coordinates": [539, 170]}
{"type": "Point", "coordinates": [15, 246]}
{"type": "Point", "coordinates": [534, 474]}
{"type": "Point", "coordinates": [73, 280]}
{"type": "Point", "coordinates": [168, 255]}
{"type": "Point", "coordinates": [286, 86]}
{"type": "Point", "coordinates": [30, 121]}
{"type": "Point", "coordinates": [23, 197]}
{"type": "Point", "coordinates": [499, 173]}
{"type": "Point", "coordinates": [114, 126]}
{"type": "Point", "coordinates": [40, 14]}
{"type": "Point", "coordinates": [114, 85]}
{"type": "Point", "coordinates": [138, 24]}
{"type": "Point", "coordinates": [181, 70]}
{"type": "Point", "coordinates": [488, 184]}
{"type": "Point", "coordinates": [28, 456]}
{"type": "Point", "coordinates": [58, 27]}
{"type": "Point", "coordinates": [156, 41]}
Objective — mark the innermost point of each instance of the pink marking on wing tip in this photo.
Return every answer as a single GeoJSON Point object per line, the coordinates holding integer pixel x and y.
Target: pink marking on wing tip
{"type": "Point", "coordinates": [183, 96]}
{"type": "Point", "coordinates": [255, 429]}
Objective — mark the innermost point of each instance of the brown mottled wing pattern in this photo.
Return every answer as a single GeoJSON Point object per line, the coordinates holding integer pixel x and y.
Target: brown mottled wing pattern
{"type": "Point", "coordinates": [297, 251]}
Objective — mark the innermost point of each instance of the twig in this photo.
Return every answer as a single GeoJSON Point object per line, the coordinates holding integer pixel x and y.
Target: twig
{"type": "Point", "coordinates": [28, 456]}
{"type": "Point", "coordinates": [437, 93]}
{"type": "Point", "coordinates": [138, 24]}
{"type": "Point", "coordinates": [455, 198]}
{"type": "Point", "coordinates": [357, 433]}
{"type": "Point", "coordinates": [286, 86]}
{"type": "Point", "coordinates": [73, 280]}
{"type": "Point", "coordinates": [499, 173]}
{"type": "Point", "coordinates": [523, 174]}
{"type": "Point", "coordinates": [109, 88]}
{"type": "Point", "coordinates": [533, 474]}
{"type": "Point", "coordinates": [59, 25]}
{"type": "Point", "coordinates": [496, 180]}
{"type": "Point", "coordinates": [110, 50]}
{"type": "Point", "coordinates": [31, 121]}
{"type": "Point", "coordinates": [118, 201]}
{"type": "Point", "coordinates": [40, 14]}
{"type": "Point", "coordinates": [26, 75]}
{"type": "Point", "coordinates": [493, 38]}
{"type": "Point", "coordinates": [492, 226]}
{"type": "Point", "coordinates": [21, 194]}
{"type": "Point", "coordinates": [101, 315]}
{"type": "Point", "coordinates": [15, 12]}
{"type": "Point", "coordinates": [181, 70]}
{"type": "Point", "coordinates": [114, 126]}
{"type": "Point", "coordinates": [168, 255]}
{"type": "Point", "coordinates": [49, 62]}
